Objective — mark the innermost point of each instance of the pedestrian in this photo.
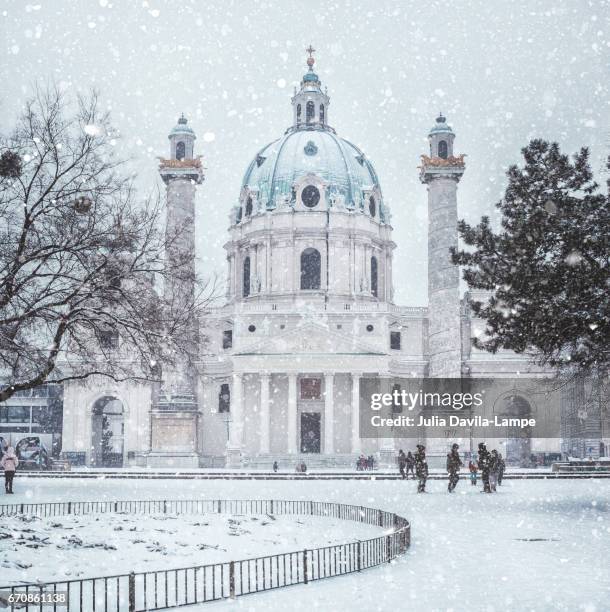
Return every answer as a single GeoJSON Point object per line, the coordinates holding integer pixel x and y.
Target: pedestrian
{"type": "Point", "coordinates": [472, 466]}
{"type": "Point", "coordinates": [276, 467]}
{"type": "Point", "coordinates": [9, 463]}
{"type": "Point", "coordinates": [303, 467]}
{"type": "Point", "coordinates": [421, 468]}
{"type": "Point", "coordinates": [402, 462]}
{"type": "Point", "coordinates": [484, 460]}
{"type": "Point", "coordinates": [410, 464]}
{"type": "Point", "coordinates": [494, 468]}
{"type": "Point", "coordinates": [454, 463]}
{"type": "Point", "coordinates": [501, 470]}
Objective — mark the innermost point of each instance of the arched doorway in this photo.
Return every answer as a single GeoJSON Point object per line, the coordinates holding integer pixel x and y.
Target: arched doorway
{"type": "Point", "coordinates": [519, 440]}
{"type": "Point", "coordinates": [107, 432]}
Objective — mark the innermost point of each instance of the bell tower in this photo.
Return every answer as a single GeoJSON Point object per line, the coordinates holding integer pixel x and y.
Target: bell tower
{"type": "Point", "coordinates": [441, 171]}
{"type": "Point", "coordinates": [174, 418]}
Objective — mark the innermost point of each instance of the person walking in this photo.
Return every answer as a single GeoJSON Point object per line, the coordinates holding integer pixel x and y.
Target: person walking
{"type": "Point", "coordinates": [494, 468]}
{"type": "Point", "coordinates": [9, 463]}
{"type": "Point", "coordinates": [501, 469]}
{"type": "Point", "coordinates": [472, 466]}
{"type": "Point", "coordinates": [410, 464]}
{"type": "Point", "coordinates": [454, 463]}
{"type": "Point", "coordinates": [421, 468]}
{"type": "Point", "coordinates": [276, 467]}
{"type": "Point", "coordinates": [402, 462]}
{"type": "Point", "coordinates": [484, 461]}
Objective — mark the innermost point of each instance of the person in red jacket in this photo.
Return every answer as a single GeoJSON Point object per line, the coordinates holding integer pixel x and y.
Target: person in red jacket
{"type": "Point", "coordinates": [9, 463]}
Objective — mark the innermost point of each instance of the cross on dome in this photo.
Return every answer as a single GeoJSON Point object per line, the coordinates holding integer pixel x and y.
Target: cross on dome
{"type": "Point", "coordinates": [311, 60]}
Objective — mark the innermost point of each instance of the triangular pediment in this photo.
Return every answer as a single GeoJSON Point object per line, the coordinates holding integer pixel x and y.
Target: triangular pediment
{"type": "Point", "coordinates": [311, 339]}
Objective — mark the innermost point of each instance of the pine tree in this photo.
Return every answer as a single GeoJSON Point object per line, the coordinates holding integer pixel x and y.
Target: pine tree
{"type": "Point", "coordinates": [548, 269]}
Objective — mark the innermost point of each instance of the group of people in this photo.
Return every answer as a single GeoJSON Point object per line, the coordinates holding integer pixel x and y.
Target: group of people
{"type": "Point", "coordinates": [490, 464]}
{"type": "Point", "coordinates": [365, 463]}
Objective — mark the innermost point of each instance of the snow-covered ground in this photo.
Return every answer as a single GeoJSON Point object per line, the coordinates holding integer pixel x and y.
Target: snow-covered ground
{"type": "Point", "coordinates": [535, 545]}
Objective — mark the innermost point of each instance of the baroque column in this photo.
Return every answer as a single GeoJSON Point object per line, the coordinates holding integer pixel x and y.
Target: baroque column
{"type": "Point", "coordinates": [264, 415]}
{"type": "Point", "coordinates": [329, 415]}
{"type": "Point", "coordinates": [291, 431]}
{"type": "Point", "coordinates": [236, 432]}
{"type": "Point", "coordinates": [356, 444]}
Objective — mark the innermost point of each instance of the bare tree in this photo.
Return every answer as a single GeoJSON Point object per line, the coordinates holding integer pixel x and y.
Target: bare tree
{"type": "Point", "coordinates": [82, 261]}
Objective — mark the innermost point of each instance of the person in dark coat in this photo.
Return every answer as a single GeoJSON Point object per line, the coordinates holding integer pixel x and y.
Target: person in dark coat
{"type": "Point", "coordinates": [410, 464]}
{"type": "Point", "coordinates": [494, 468]}
{"type": "Point", "coordinates": [276, 467]}
{"type": "Point", "coordinates": [454, 463]}
{"type": "Point", "coordinates": [502, 465]}
{"type": "Point", "coordinates": [402, 462]}
{"type": "Point", "coordinates": [472, 466]}
{"type": "Point", "coordinates": [421, 468]}
{"type": "Point", "coordinates": [484, 463]}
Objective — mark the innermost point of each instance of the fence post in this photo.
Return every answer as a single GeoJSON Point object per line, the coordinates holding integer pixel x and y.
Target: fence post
{"type": "Point", "coordinates": [232, 579]}
{"type": "Point", "coordinates": [132, 592]}
{"type": "Point", "coordinates": [271, 507]}
{"type": "Point", "coordinates": [305, 577]}
{"type": "Point", "coordinates": [164, 506]}
{"type": "Point", "coordinates": [388, 548]}
{"type": "Point", "coordinates": [359, 552]}
{"type": "Point", "coordinates": [379, 518]}
{"type": "Point", "coordinates": [69, 507]}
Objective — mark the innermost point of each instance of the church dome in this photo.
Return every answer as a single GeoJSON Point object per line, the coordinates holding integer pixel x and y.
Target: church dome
{"type": "Point", "coordinates": [310, 148]}
{"type": "Point", "coordinates": [278, 166]}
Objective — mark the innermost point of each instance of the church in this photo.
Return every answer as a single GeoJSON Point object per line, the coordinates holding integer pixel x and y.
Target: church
{"type": "Point", "coordinates": [308, 313]}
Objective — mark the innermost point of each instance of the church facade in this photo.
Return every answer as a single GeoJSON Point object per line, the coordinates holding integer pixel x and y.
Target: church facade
{"type": "Point", "coordinates": [308, 314]}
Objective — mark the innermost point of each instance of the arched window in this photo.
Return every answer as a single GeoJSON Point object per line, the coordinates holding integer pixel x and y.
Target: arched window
{"type": "Point", "coordinates": [298, 113]}
{"type": "Point", "coordinates": [239, 214]}
{"type": "Point", "coordinates": [249, 207]}
{"type": "Point", "coordinates": [322, 113]}
{"type": "Point", "coordinates": [310, 111]}
{"type": "Point", "coordinates": [246, 278]}
{"type": "Point", "coordinates": [310, 269]}
{"type": "Point", "coordinates": [374, 276]}
{"type": "Point", "coordinates": [180, 150]}
{"type": "Point", "coordinates": [372, 206]}
{"type": "Point", "coordinates": [442, 149]}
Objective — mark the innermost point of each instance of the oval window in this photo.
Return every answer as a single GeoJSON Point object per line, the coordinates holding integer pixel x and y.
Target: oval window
{"type": "Point", "coordinates": [310, 196]}
{"type": "Point", "coordinates": [251, 328]}
{"type": "Point", "coordinates": [369, 328]}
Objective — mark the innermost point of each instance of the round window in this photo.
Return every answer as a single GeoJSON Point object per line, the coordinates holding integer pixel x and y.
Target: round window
{"type": "Point", "coordinates": [372, 206]}
{"type": "Point", "coordinates": [310, 196]}
{"type": "Point", "coordinates": [369, 328]}
{"type": "Point", "coordinates": [251, 328]}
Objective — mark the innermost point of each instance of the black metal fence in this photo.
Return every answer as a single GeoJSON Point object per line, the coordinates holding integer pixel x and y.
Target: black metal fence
{"type": "Point", "coordinates": [159, 590]}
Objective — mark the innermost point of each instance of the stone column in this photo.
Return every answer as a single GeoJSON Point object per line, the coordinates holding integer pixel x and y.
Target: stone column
{"type": "Point", "coordinates": [292, 414]}
{"type": "Point", "coordinates": [356, 444]}
{"type": "Point", "coordinates": [387, 456]}
{"type": "Point", "coordinates": [329, 414]}
{"type": "Point", "coordinates": [264, 413]}
{"type": "Point", "coordinates": [236, 432]}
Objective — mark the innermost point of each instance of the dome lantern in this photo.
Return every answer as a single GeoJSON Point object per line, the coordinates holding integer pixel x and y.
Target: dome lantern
{"type": "Point", "coordinates": [182, 140]}
{"type": "Point", "coordinates": [441, 138]}
{"type": "Point", "coordinates": [310, 103]}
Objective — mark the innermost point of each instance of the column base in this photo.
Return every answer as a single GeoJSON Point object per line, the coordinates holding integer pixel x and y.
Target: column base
{"type": "Point", "coordinates": [387, 457]}
{"type": "Point", "coordinates": [233, 458]}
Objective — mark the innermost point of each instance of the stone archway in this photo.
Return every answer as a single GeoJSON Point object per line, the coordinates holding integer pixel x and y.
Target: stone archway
{"type": "Point", "coordinates": [107, 432]}
{"type": "Point", "coordinates": [519, 440]}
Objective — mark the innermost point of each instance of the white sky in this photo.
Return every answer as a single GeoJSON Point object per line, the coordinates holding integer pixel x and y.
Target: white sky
{"type": "Point", "coordinates": [502, 72]}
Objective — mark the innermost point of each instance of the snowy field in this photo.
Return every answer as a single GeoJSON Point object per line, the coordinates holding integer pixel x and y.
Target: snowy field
{"type": "Point", "coordinates": [535, 545]}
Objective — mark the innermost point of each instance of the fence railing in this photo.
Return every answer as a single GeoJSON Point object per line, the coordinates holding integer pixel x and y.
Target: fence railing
{"type": "Point", "coordinates": [163, 589]}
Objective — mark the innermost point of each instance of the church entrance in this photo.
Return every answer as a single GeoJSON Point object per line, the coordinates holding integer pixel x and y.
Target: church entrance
{"type": "Point", "coordinates": [107, 431]}
{"type": "Point", "coordinates": [310, 432]}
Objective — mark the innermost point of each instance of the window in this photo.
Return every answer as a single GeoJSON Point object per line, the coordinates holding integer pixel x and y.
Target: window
{"type": "Point", "coordinates": [227, 339]}
{"type": "Point", "coordinates": [322, 119]}
{"type": "Point", "coordinates": [180, 150]}
{"type": "Point", "coordinates": [224, 398]}
{"type": "Point", "coordinates": [251, 328]}
{"type": "Point", "coordinates": [396, 405]}
{"type": "Point", "coordinates": [310, 111]}
{"type": "Point", "coordinates": [310, 196]}
{"type": "Point", "coordinates": [246, 278]}
{"type": "Point", "coordinates": [109, 339]}
{"type": "Point", "coordinates": [370, 328]}
{"type": "Point", "coordinates": [238, 217]}
{"type": "Point", "coordinates": [395, 340]}
{"type": "Point", "coordinates": [372, 206]}
{"type": "Point", "coordinates": [310, 269]}
{"type": "Point", "coordinates": [374, 279]}
{"type": "Point", "coordinates": [442, 149]}
{"type": "Point", "coordinates": [298, 113]}
{"type": "Point", "coordinates": [14, 414]}
{"type": "Point", "coordinates": [249, 207]}
{"type": "Point", "coordinates": [311, 388]}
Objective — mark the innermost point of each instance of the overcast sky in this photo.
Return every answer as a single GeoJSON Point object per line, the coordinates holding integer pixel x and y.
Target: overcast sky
{"type": "Point", "coordinates": [503, 72]}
